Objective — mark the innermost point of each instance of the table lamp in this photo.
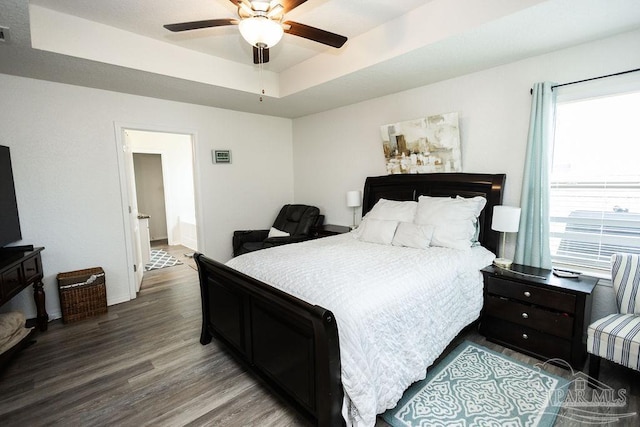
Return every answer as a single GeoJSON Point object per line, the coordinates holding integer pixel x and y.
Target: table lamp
{"type": "Point", "coordinates": [353, 201]}
{"type": "Point", "coordinates": [506, 219]}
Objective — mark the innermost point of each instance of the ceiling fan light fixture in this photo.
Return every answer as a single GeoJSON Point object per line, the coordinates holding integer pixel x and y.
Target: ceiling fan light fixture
{"type": "Point", "coordinates": [261, 31]}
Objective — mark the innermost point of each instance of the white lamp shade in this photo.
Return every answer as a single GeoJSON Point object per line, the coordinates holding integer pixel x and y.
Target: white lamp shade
{"type": "Point", "coordinates": [506, 219]}
{"type": "Point", "coordinates": [261, 31]}
{"type": "Point", "coordinates": [353, 198]}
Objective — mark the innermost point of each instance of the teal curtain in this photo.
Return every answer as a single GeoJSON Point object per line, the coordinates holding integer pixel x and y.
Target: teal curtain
{"type": "Point", "coordinates": [532, 245]}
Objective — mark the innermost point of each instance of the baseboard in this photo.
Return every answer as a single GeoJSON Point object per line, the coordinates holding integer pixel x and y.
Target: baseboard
{"type": "Point", "coordinates": [118, 299]}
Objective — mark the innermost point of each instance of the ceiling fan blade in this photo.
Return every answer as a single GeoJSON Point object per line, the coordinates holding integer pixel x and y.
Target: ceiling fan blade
{"type": "Point", "coordinates": [195, 25]}
{"type": "Point", "coordinates": [260, 56]}
{"type": "Point", "coordinates": [291, 4]}
{"type": "Point", "coordinates": [315, 34]}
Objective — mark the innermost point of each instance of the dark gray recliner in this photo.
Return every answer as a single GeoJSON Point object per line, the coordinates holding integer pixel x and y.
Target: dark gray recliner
{"type": "Point", "coordinates": [297, 220]}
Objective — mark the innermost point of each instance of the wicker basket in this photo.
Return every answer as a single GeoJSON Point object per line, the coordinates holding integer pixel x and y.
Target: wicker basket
{"type": "Point", "coordinates": [83, 294]}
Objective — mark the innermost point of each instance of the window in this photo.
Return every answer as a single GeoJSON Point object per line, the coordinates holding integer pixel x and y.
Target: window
{"type": "Point", "coordinates": [595, 181]}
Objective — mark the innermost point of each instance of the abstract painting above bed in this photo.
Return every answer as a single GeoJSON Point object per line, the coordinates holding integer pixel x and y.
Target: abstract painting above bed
{"type": "Point", "coordinates": [425, 145]}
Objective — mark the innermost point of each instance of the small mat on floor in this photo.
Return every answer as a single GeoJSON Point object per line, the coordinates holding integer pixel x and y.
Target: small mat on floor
{"type": "Point", "coordinates": [160, 259]}
{"type": "Point", "coordinates": [474, 386]}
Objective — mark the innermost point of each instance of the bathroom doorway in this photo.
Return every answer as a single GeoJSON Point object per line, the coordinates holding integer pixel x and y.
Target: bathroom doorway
{"type": "Point", "coordinates": [160, 182]}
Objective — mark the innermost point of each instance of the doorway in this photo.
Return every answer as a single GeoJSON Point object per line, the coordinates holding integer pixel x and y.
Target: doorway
{"type": "Point", "coordinates": [158, 182]}
{"type": "Point", "coordinates": [150, 196]}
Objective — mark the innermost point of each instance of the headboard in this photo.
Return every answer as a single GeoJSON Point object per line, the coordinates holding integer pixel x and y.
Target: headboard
{"type": "Point", "coordinates": [411, 186]}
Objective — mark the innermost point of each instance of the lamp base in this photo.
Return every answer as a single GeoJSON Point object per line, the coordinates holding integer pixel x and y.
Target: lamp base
{"type": "Point", "coordinates": [502, 262]}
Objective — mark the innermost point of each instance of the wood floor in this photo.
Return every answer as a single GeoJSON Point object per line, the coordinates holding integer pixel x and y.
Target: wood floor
{"type": "Point", "coordinates": [142, 364]}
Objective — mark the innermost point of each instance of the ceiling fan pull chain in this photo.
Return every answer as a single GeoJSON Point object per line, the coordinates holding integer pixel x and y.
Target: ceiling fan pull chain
{"type": "Point", "coordinates": [260, 52]}
{"type": "Point", "coordinates": [260, 66]}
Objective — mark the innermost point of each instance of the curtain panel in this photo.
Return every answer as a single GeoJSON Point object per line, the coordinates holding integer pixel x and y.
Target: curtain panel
{"type": "Point", "coordinates": [532, 244]}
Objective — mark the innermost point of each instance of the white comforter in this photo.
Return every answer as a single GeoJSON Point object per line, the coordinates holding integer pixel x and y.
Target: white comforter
{"type": "Point", "coordinates": [397, 308]}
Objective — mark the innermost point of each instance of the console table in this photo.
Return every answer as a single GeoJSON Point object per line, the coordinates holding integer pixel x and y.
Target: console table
{"type": "Point", "coordinates": [18, 270]}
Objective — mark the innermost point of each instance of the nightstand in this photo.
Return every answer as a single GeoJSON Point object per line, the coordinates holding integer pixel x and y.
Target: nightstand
{"type": "Point", "coordinates": [329, 230]}
{"type": "Point", "coordinates": [532, 311]}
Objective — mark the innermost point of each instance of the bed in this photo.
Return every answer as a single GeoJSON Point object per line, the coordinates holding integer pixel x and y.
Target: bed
{"type": "Point", "coordinates": [293, 342]}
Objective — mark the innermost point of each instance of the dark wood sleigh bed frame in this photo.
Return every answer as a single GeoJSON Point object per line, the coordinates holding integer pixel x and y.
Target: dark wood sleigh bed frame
{"type": "Point", "coordinates": [293, 345]}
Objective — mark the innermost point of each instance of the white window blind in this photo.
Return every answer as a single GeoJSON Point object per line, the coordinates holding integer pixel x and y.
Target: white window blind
{"type": "Point", "coordinates": [595, 181]}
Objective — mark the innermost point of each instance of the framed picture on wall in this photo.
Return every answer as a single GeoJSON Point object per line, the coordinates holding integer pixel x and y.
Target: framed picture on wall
{"type": "Point", "coordinates": [425, 145]}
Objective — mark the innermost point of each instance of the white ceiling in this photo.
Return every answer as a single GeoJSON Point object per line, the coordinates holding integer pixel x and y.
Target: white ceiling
{"type": "Point", "coordinates": [146, 17]}
{"type": "Point", "coordinates": [393, 45]}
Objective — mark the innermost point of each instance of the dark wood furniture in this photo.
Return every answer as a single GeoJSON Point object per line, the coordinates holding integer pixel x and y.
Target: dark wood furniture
{"type": "Point", "coordinates": [18, 270]}
{"type": "Point", "coordinates": [531, 310]}
{"type": "Point", "coordinates": [327, 230]}
{"type": "Point", "coordinates": [292, 345]}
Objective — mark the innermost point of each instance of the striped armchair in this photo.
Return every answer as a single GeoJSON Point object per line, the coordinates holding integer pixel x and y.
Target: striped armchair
{"type": "Point", "coordinates": [617, 336]}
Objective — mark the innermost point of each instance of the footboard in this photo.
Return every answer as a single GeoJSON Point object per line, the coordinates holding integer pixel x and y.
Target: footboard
{"type": "Point", "coordinates": [290, 344]}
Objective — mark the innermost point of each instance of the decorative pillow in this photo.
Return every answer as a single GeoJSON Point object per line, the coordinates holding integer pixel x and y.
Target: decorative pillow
{"type": "Point", "coordinates": [413, 235]}
{"type": "Point", "coordinates": [274, 232]}
{"type": "Point", "coordinates": [378, 231]}
{"type": "Point", "coordinates": [454, 220]}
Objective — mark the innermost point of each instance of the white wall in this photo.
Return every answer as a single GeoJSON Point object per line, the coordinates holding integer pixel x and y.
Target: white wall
{"type": "Point", "coordinates": [177, 170]}
{"type": "Point", "coordinates": [66, 172]}
{"type": "Point", "coordinates": [335, 151]}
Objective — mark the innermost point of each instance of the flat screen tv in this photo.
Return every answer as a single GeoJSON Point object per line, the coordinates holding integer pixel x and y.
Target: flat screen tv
{"type": "Point", "coordinates": [9, 220]}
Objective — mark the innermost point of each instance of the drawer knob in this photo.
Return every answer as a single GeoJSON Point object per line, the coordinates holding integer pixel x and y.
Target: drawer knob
{"type": "Point", "coordinates": [527, 294]}
{"type": "Point", "coordinates": [525, 336]}
{"type": "Point", "coordinates": [525, 316]}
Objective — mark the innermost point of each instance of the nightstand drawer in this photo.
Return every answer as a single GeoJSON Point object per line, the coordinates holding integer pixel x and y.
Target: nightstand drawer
{"type": "Point", "coordinates": [550, 322]}
{"type": "Point", "coordinates": [528, 340]}
{"type": "Point", "coordinates": [560, 301]}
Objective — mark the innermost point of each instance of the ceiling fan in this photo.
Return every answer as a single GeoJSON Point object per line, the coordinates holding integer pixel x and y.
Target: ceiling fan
{"type": "Point", "coordinates": [261, 24]}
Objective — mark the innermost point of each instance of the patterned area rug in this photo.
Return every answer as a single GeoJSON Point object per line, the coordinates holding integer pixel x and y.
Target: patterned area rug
{"type": "Point", "coordinates": [474, 386]}
{"type": "Point", "coordinates": [160, 259]}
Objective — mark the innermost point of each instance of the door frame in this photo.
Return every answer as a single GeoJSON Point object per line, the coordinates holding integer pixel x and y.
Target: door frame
{"type": "Point", "coordinates": [122, 153]}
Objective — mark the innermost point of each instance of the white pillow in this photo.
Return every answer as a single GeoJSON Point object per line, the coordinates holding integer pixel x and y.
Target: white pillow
{"type": "Point", "coordinates": [378, 231]}
{"type": "Point", "coordinates": [413, 235]}
{"type": "Point", "coordinates": [454, 220]}
{"type": "Point", "coordinates": [389, 210]}
{"type": "Point", "coordinates": [393, 210]}
{"type": "Point", "coordinates": [274, 232]}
